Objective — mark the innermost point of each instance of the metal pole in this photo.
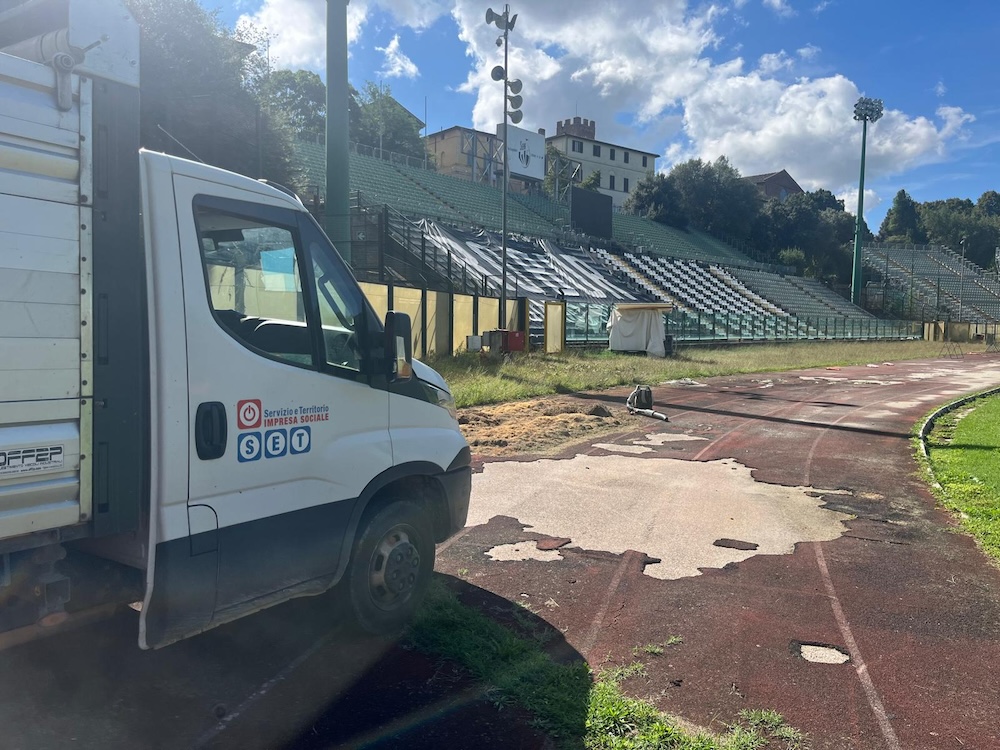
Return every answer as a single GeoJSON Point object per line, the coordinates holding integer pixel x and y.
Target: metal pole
{"type": "Point", "coordinates": [856, 275]}
{"type": "Point", "coordinates": [338, 209]}
{"type": "Point", "coordinates": [506, 173]}
{"type": "Point", "coordinates": [961, 282]}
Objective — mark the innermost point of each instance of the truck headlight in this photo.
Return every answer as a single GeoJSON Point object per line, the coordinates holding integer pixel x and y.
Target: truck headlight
{"type": "Point", "coordinates": [442, 398]}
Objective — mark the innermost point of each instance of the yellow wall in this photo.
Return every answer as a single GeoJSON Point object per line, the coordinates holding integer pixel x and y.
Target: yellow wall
{"type": "Point", "coordinates": [439, 328]}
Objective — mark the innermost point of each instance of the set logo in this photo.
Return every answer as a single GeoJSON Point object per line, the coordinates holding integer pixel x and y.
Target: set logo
{"type": "Point", "coordinates": [248, 413]}
{"type": "Point", "coordinates": [275, 443]}
{"type": "Point", "coordinates": [299, 440]}
{"type": "Point", "coordinates": [248, 447]}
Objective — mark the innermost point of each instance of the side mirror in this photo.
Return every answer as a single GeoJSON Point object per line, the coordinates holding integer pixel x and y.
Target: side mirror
{"type": "Point", "coordinates": [398, 346]}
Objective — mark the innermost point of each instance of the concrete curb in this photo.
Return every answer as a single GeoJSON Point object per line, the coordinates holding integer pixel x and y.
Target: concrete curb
{"type": "Point", "coordinates": [928, 425]}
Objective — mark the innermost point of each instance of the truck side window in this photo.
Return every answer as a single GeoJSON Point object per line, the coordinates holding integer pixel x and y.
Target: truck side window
{"type": "Point", "coordinates": [254, 283]}
{"type": "Point", "coordinates": [342, 306]}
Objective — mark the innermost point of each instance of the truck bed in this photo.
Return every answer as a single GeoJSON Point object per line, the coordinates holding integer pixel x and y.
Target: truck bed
{"type": "Point", "coordinates": [45, 308]}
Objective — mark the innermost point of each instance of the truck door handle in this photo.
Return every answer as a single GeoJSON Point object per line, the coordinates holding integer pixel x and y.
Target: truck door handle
{"type": "Point", "coordinates": [210, 428]}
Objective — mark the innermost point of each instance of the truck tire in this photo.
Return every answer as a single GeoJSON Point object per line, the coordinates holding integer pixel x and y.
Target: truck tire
{"type": "Point", "coordinates": [391, 567]}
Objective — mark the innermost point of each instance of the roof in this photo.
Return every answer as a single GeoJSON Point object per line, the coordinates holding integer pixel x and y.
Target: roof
{"type": "Point", "coordinates": [762, 179]}
{"type": "Point", "coordinates": [757, 178]}
{"type": "Point", "coordinates": [602, 143]}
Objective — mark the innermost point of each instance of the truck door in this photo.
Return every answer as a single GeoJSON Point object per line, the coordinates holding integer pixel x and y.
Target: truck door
{"type": "Point", "coordinates": [284, 431]}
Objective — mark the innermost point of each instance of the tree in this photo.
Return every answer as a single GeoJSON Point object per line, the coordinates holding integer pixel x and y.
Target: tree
{"type": "Point", "coordinates": [814, 225]}
{"type": "Point", "coordinates": [989, 203]}
{"type": "Point", "coordinates": [947, 227]}
{"type": "Point", "coordinates": [656, 197]}
{"type": "Point", "coordinates": [384, 124]}
{"type": "Point", "coordinates": [715, 198]}
{"type": "Point", "coordinates": [902, 222]}
{"type": "Point", "coordinates": [823, 199]}
{"type": "Point", "coordinates": [300, 97]}
{"type": "Point", "coordinates": [199, 94]}
{"type": "Point", "coordinates": [592, 181]}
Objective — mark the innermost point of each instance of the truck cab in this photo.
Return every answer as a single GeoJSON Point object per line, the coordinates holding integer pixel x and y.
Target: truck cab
{"type": "Point", "coordinates": [201, 413]}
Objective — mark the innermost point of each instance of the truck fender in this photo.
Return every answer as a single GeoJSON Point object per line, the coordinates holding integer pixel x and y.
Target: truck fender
{"type": "Point", "coordinates": [391, 475]}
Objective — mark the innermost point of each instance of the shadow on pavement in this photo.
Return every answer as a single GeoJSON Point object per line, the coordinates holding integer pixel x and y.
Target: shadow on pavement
{"type": "Point", "coordinates": [414, 700]}
{"type": "Point", "coordinates": [293, 676]}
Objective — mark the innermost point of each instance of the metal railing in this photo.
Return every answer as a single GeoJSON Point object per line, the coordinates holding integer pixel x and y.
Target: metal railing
{"type": "Point", "coordinates": [586, 324]}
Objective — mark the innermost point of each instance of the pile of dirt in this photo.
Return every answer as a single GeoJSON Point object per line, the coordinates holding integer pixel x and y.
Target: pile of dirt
{"type": "Point", "coordinates": [540, 426]}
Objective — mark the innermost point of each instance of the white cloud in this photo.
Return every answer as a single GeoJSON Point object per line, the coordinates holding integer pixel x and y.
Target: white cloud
{"type": "Point", "coordinates": [771, 63]}
{"type": "Point", "coordinates": [809, 52]}
{"type": "Point", "coordinates": [821, 6]}
{"type": "Point", "coordinates": [872, 201]}
{"type": "Point", "coordinates": [940, 89]}
{"type": "Point", "coordinates": [298, 29]}
{"type": "Point", "coordinates": [655, 76]}
{"type": "Point", "coordinates": [781, 7]}
{"type": "Point", "coordinates": [763, 125]}
{"type": "Point", "coordinates": [397, 64]}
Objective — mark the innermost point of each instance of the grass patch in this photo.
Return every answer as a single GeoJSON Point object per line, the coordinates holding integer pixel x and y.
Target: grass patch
{"type": "Point", "coordinates": [964, 454]}
{"type": "Point", "coordinates": [568, 702]}
{"type": "Point", "coordinates": [477, 380]}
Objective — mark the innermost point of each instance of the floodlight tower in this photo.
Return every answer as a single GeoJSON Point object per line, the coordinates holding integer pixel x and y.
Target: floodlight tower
{"type": "Point", "coordinates": [511, 90]}
{"type": "Point", "coordinates": [866, 110]}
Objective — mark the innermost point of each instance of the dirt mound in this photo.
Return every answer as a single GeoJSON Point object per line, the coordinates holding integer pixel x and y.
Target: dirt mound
{"type": "Point", "coordinates": [541, 426]}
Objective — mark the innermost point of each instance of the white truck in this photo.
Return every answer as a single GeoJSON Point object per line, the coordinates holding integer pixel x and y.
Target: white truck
{"type": "Point", "coordinates": [200, 412]}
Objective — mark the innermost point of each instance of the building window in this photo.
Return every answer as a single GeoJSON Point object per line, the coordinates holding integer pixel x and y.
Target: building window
{"type": "Point", "coordinates": [611, 180]}
{"type": "Point", "coordinates": [644, 161]}
{"type": "Point", "coordinates": [597, 150]}
{"type": "Point", "coordinates": [626, 157]}
{"type": "Point", "coordinates": [577, 147]}
{"type": "Point", "coordinates": [625, 184]}
{"type": "Point", "coordinates": [612, 154]}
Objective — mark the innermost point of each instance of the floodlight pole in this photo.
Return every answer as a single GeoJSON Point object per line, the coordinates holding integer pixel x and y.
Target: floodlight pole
{"type": "Point", "coordinates": [859, 227]}
{"type": "Point", "coordinates": [865, 110]}
{"type": "Point", "coordinates": [506, 183]}
{"type": "Point", "coordinates": [500, 74]}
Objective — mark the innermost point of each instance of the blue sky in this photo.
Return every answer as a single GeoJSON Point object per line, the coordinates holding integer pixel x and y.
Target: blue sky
{"type": "Point", "coordinates": [769, 83]}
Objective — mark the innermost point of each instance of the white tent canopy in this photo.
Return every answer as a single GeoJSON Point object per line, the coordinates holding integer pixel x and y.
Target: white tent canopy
{"type": "Point", "coordinates": [638, 328]}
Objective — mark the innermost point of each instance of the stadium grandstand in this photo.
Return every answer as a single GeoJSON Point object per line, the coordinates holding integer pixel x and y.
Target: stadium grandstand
{"type": "Point", "coordinates": [413, 226]}
{"type": "Point", "coordinates": [932, 281]}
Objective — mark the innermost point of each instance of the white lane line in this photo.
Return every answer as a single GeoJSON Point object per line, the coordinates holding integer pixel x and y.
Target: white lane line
{"type": "Point", "coordinates": [852, 647]}
{"type": "Point", "coordinates": [595, 626]}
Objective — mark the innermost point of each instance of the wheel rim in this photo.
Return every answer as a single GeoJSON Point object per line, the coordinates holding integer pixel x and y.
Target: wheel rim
{"type": "Point", "coordinates": [394, 569]}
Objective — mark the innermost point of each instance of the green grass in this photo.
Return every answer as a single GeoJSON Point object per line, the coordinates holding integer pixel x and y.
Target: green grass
{"type": "Point", "coordinates": [964, 453]}
{"type": "Point", "coordinates": [568, 702]}
{"type": "Point", "coordinates": [477, 380]}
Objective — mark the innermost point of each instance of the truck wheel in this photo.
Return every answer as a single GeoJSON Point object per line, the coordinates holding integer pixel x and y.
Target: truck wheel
{"type": "Point", "coordinates": [391, 567]}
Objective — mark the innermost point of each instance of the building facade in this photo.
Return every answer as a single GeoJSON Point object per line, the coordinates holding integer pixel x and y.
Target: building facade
{"type": "Point", "coordinates": [466, 153]}
{"type": "Point", "coordinates": [621, 167]}
{"type": "Point", "coordinates": [775, 184]}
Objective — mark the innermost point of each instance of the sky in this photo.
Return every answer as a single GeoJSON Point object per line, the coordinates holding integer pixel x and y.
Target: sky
{"type": "Point", "coordinates": [770, 84]}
